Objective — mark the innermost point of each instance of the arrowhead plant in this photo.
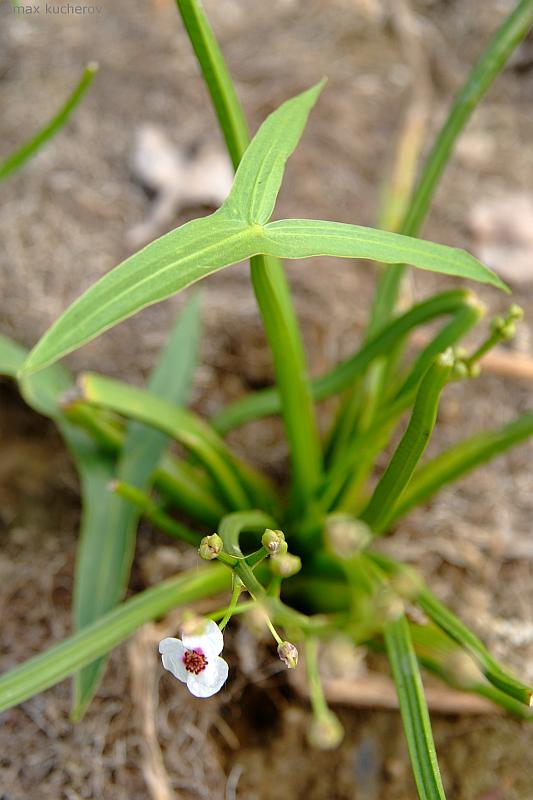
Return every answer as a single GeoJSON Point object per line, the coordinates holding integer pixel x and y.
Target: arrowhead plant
{"type": "Point", "coordinates": [272, 547]}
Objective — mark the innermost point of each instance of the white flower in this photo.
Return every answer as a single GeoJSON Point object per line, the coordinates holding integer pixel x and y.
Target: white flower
{"type": "Point", "coordinates": [194, 659]}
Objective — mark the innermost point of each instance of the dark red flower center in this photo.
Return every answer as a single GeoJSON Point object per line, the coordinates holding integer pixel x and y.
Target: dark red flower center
{"type": "Point", "coordinates": [195, 661]}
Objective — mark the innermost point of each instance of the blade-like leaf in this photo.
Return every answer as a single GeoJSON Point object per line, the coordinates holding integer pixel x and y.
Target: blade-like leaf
{"type": "Point", "coordinates": [414, 711]}
{"type": "Point", "coordinates": [416, 592]}
{"type": "Point", "coordinates": [184, 426]}
{"type": "Point", "coordinates": [109, 523]}
{"type": "Point", "coordinates": [70, 655]}
{"type": "Point", "coordinates": [160, 270]}
{"type": "Point", "coordinates": [203, 246]}
{"type": "Point", "coordinates": [17, 159]}
{"type": "Point", "coordinates": [303, 238]}
{"type": "Point", "coordinates": [260, 172]}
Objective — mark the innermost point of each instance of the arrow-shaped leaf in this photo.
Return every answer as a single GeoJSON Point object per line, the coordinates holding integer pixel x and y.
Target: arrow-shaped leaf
{"type": "Point", "coordinates": [234, 233]}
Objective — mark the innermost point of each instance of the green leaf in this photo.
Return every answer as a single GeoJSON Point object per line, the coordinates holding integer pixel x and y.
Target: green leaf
{"type": "Point", "coordinates": [17, 160]}
{"type": "Point", "coordinates": [205, 245]}
{"type": "Point", "coordinates": [160, 270]}
{"type": "Point", "coordinates": [416, 592]}
{"type": "Point", "coordinates": [304, 238]}
{"type": "Point", "coordinates": [94, 641]}
{"type": "Point", "coordinates": [455, 462]}
{"type": "Point", "coordinates": [457, 630]}
{"type": "Point", "coordinates": [260, 172]}
{"type": "Point", "coordinates": [414, 711]}
{"type": "Point", "coordinates": [12, 357]}
{"type": "Point", "coordinates": [487, 68]}
{"type": "Point", "coordinates": [184, 426]}
{"type": "Point", "coordinates": [109, 523]}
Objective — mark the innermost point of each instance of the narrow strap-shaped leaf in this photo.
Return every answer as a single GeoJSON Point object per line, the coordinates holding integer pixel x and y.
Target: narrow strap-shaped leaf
{"type": "Point", "coordinates": [487, 68]}
{"type": "Point", "coordinates": [418, 593]}
{"type": "Point", "coordinates": [109, 523]}
{"type": "Point", "coordinates": [448, 660]}
{"type": "Point", "coordinates": [455, 462]}
{"type": "Point", "coordinates": [185, 485]}
{"type": "Point", "coordinates": [267, 402]}
{"type": "Point", "coordinates": [17, 159]}
{"type": "Point", "coordinates": [303, 238]}
{"type": "Point", "coordinates": [411, 447]}
{"type": "Point", "coordinates": [181, 424]}
{"type": "Point", "coordinates": [457, 630]}
{"type": "Point", "coordinates": [237, 481]}
{"type": "Point", "coordinates": [259, 175]}
{"type": "Point", "coordinates": [94, 641]}
{"type": "Point", "coordinates": [414, 711]}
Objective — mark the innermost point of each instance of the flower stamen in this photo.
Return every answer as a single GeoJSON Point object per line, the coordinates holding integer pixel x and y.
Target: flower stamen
{"type": "Point", "coordinates": [195, 661]}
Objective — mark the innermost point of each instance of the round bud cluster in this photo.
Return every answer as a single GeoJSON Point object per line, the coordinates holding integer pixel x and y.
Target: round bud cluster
{"type": "Point", "coordinates": [210, 547]}
{"type": "Point", "coordinates": [274, 542]}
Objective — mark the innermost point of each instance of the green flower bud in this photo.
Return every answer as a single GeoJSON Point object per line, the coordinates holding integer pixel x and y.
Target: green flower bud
{"type": "Point", "coordinates": [288, 654]}
{"type": "Point", "coordinates": [210, 547]}
{"type": "Point", "coordinates": [272, 541]}
{"type": "Point", "coordinates": [515, 313]}
{"type": "Point", "coordinates": [326, 732]}
{"type": "Point", "coordinates": [284, 565]}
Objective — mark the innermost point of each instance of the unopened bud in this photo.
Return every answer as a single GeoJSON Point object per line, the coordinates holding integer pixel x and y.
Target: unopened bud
{"type": "Point", "coordinates": [515, 313]}
{"type": "Point", "coordinates": [347, 535]}
{"type": "Point", "coordinates": [461, 370]}
{"type": "Point", "coordinates": [288, 654]}
{"type": "Point", "coordinates": [274, 541]}
{"type": "Point", "coordinates": [325, 733]}
{"type": "Point", "coordinates": [285, 565]}
{"type": "Point", "coordinates": [210, 547]}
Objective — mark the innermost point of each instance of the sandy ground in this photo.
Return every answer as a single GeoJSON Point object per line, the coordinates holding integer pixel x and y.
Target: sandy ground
{"type": "Point", "coordinates": [65, 220]}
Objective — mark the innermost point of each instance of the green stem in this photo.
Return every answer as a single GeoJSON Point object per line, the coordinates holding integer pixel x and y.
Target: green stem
{"type": "Point", "coordinates": [316, 692]}
{"type": "Point", "coordinates": [268, 277]}
{"type": "Point", "coordinates": [267, 401]}
{"type": "Point", "coordinates": [230, 611]}
{"type": "Point", "coordinates": [411, 447]}
{"type": "Point", "coordinates": [455, 462]}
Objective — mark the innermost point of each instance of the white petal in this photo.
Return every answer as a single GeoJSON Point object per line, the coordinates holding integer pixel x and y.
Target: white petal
{"type": "Point", "coordinates": [172, 652]}
{"type": "Point", "coordinates": [210, 640]}
{"type": "Point", "coordinates": [210, 681]}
